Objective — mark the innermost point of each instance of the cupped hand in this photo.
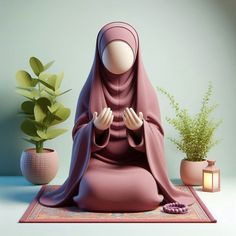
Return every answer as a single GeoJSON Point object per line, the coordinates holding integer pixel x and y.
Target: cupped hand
{"type": "Point", "coordinates": [104, 119]}
{"type": "Point", "coordinates": [131, 119]}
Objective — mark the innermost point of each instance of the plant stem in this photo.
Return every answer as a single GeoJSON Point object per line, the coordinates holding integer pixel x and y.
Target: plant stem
{"type": "Point", "coordinates": [39, 147]}
{"type": "Point", "coordinates": [54, 99]}
{"type": "Point", "coordinates": [39, 89]}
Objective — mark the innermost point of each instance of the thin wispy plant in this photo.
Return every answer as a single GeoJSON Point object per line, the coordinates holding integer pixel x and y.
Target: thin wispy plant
{"type": "Point", "coordinates": [196, 134]}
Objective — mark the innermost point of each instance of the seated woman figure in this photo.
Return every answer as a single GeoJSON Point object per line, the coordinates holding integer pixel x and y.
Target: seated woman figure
{"type": "Point", "coordinates": [117, 159]}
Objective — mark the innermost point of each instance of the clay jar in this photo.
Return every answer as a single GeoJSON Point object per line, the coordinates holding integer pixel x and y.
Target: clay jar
{"type": "Point", "coordinates": [39, 168]}
{"type": "Point", "coordinates": [191, 171]}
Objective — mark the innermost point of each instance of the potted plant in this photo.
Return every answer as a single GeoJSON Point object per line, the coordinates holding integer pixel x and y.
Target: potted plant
{"type": "Point", "coordinates": [196, 136]}
{"type": "Point", "coordinates": [41, 111]}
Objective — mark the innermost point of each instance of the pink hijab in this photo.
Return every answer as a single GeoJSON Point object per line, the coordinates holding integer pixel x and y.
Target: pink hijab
{"type": "Point", "coordinates": [97, 94]}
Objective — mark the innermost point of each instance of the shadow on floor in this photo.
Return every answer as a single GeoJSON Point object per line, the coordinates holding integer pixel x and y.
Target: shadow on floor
{"type": "Point", "coordinates": [17, 189]}
{"type": "Point", "coordinates": [14, 181]}
{"type": "Point", "coordinates": [20, 195]}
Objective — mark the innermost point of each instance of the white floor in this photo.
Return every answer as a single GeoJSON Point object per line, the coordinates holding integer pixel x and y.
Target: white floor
{"type": "Point", "coordinates": [16, 194]}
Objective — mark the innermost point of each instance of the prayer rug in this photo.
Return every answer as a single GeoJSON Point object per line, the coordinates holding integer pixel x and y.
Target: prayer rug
{"type": "Point", "coordinates": [37, 213]}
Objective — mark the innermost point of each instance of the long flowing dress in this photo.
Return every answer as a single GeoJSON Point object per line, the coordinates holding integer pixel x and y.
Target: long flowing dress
{"type": "Point", "coordinates": [118, 177]}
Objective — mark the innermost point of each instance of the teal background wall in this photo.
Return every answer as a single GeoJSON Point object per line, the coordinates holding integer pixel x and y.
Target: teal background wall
{"type": "Point", "coordinates": [184, 44]}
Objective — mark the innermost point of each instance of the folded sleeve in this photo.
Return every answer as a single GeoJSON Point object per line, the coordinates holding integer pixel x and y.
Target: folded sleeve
{"type": "Point", "coordinates": [136, 138]}
{"type": "Point", "coordinates": [100, 138]}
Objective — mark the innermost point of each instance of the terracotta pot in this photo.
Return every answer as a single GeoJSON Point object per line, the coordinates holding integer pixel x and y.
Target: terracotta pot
{"type": "Point", "coordinates": [191, 171]}
{"type": "Point", "coordinates": [39, 168]}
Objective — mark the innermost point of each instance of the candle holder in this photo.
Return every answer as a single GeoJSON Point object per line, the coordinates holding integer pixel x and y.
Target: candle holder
{"type": "Point", "coordinates": [211, 178]}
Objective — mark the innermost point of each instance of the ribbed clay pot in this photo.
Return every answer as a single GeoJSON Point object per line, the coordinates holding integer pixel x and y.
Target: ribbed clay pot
{"type": "Point", "coordinates": [39, 168]}
{"type": "Point", "coordinates": [191, 172]}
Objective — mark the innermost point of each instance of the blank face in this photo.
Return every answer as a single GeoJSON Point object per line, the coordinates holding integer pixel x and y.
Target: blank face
{"type": "Point", "coordinates": [118, 57]}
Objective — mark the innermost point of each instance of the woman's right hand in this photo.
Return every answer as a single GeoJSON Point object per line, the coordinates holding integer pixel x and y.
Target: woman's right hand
{"type": "Point", "coordinates": [104, 119]}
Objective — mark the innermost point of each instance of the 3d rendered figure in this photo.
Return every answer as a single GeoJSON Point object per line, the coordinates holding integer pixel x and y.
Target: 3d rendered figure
{"type": "Point", "coordinates": [117, 159]}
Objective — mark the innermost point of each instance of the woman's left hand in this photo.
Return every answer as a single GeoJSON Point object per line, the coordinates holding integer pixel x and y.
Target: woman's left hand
{"type": "Point", "coordinates": [131, 119]}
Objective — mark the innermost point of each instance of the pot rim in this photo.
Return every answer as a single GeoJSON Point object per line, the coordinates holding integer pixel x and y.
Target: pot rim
{"type": "Point", "coordinates": [48, 150]}
{"type": "Point", "coordinates": [194, 161]}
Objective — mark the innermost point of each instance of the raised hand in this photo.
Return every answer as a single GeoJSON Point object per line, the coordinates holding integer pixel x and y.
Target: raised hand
{"type": "Point", "coordinates": [104, 119]}
{"type": "Point", "coordinates": [131, 119]}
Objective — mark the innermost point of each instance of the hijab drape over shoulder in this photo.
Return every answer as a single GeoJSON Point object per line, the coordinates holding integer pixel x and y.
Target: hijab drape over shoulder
{"type": "Point", "coordinates": [93, 98]}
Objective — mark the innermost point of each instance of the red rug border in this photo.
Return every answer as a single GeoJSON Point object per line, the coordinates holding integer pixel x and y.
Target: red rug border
{"type": "Point", "coordinates": [202, 204]}
{"type": "Point", "coordinates": [23, 219]}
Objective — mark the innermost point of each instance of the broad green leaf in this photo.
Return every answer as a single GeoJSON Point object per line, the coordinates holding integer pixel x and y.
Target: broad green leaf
{"type": "Point", "coordinates": [28, 94]}
{"type": "Point", "coordinates": [42, 134]}
{"type": "Point", "coordinates": [28, 107]}
{"type": "Point", "coordinates": [37, 124]}
{"type": "Point", "coordinates": [46, 84]}
{"type": "Point", "coordinates": [44, 76]}
{"type": "Point", "coordinates": [50, 92]}
{"type": "Point", "coordinates": [62, 113]}
{"type": "Point", "coordinates": [58, 92]}
{"type": "Point", "coordinates": [29, 128]}
{"type": "Point", "coordinates": [54, 107]}
{"type": "Point", "coordinates": [56, 121]}
{"type": "Point", "coordinates": [45, 93]}
{"type": "Point", "coordinates": [60, 116]}
{"type": "Point", "coordinates": [36, 65]}
{"type": "Point", "coordinates": [48, 65]}
{"type": "Point", "coordinates": [55, 133]}
{"type": "Point", "coordinates": [52, 81]}
{"type": "Point", "coordinates": [24, 79]}
{"type": "Point", "coordinates": [51, 134]}
{"type": "Point", "coordinates": [34, 140]}
{"type": "Point", "coordinates": [40, 108]}
{"type": "Point", "coordinates": [34, 82]}
{"type": "Point", "coordinates": [60, 77]}
{"type": "Point", "coordinates": [37, 139]}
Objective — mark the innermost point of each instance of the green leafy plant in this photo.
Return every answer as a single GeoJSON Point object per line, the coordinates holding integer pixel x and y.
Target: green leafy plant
{"type": "Point", "coordinates": [196, 133]}
{"type": "Point", "coordinates": [41, 110]}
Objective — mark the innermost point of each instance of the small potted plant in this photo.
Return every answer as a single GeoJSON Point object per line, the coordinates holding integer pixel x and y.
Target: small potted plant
{"type": "Point", "coordinates": [196, 136]}
{"type": "Point", "coordinates": [41, 111]}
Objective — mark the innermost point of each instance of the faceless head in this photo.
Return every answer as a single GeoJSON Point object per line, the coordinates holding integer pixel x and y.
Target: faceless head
{"type": "Point", "coordinates": [118, 57]}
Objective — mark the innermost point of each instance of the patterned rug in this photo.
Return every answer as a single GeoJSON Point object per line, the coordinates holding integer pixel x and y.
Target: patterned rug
{"type": "Point", "coordinates": [36, 213]}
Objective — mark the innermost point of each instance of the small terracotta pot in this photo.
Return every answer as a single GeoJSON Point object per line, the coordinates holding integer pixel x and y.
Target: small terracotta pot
{"type": "Point", "coordinates": [39, 168]}
{"type": "Point", "coordinates": [191, 171]}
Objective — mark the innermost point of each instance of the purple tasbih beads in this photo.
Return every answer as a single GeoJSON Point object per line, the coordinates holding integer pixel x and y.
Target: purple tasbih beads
{"type": "Point", "coordinates": [175, 208]}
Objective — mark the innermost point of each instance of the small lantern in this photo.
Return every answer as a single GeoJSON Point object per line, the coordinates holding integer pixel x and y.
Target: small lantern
{"type": "Point", "coordinates": [211, 178]}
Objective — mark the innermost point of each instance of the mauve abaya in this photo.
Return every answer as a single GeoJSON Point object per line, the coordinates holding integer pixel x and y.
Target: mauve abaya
{"type": "Point", "coordinates": [117, 169]}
